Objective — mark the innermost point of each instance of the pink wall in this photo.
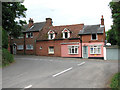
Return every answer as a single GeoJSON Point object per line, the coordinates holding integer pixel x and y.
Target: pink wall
{"type": "Point", "coordinates": [95, 43]}
{"type": "Point", "coordinates": [64, 51]}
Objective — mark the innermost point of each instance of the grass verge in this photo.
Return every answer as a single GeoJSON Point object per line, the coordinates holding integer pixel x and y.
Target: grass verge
{"type": "Point", "coordinates": [7, 58]}
{"type": "Point", "coordinates": [115, 82]}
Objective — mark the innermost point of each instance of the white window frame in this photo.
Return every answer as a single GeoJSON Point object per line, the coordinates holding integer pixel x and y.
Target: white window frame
{"type": "Point", "coordinates": [20, 47]}
{"type": "Point", "coordinates": [27, 48]}
{"type": "Point", "coordinates": [70, 47]}
{"type": "Point", "coordinates": [95, 47]}
{"type": "Point", "coordinates": [96, 37]}
{"type": "Point", "coordinates": [63, 32]}
{"type": "Point", "coordinates": [20, 37]}
{"type": "Point", "coordinates": [12, 37]}
{"type": "Point", "coordinates": [49, 51]}
{"type": "Point", "coordinates": [30, 35]}
{"type": "Point", "coordinates": [49, 35]}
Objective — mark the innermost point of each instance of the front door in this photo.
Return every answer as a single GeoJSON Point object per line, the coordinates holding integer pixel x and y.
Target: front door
{"type": "Point", "coordinates": [85, 52]}
{"type": "Point", "coordinates": [14, 49]}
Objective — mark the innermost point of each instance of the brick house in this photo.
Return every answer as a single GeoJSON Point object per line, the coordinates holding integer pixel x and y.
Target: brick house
{"type": "Point", "coordinates": [26, 43]}
{"type": "Point", "coordinates": [78, 40]}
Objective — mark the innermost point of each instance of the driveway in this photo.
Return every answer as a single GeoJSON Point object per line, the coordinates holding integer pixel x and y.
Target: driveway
{"type": "Point", "coordinates": [55, 72]}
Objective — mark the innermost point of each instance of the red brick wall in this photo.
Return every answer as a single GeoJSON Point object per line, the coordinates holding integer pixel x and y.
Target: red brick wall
{"type": "Point", "coordinates": [87, 38]}
{"type": "Point", "coordinates": [46, 44]}
{"type": "Point", "coordinates": [31, 41]}
{"type": "Point", "coordinates": [27, 41]}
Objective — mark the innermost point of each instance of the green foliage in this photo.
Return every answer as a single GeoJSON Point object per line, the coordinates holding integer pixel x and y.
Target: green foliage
{"type": "Point", "coordinates": [4, 39]}
{"type": "Point", "coordinates": [115, 9]}
{"type": "Point", "coordinates": [115, 83]}
{"type": "Point", "coordinates": [11, 14]}
{"type": "Point", "coordinates": [111, 37]}
{"type": "Point", "coordinates": [7, 58]}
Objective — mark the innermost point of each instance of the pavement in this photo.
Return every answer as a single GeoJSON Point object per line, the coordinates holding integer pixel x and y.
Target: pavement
{"type": "Point", "coordinates": [31, 71]}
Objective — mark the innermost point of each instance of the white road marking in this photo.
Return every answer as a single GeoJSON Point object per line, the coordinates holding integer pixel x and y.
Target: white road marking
{"type": "Point", "coordinates": [62, 72]}
{"type": "Point", "coordinates": [81, 63]}
{"type": "Point", "coordinates": [28, 86]}
{"type": "Point", "coordinates": [50, 60]}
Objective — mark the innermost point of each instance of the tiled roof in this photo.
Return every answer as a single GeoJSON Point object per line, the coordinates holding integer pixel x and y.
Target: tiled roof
{"type": "Point", "coordinates": [35, 27]}
{"type": "Point", "coordinates": [91, 29]}
{"type": "Point", "coordinates": [74, 30]}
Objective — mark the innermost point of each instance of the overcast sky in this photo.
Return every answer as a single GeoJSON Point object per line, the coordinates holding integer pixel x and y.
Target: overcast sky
{"type": "Point", "coordinates": [67, 12]}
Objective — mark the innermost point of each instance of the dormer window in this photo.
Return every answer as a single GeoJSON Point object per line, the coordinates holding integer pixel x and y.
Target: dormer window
{"type": "Point", "coordinates": [51, 34]}
{"type": "Point", "coordinates": [66, 33]}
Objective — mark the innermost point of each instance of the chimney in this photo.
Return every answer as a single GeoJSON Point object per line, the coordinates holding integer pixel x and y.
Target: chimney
{"type": "Point", "coordinates": [102, 20]}
{"type": "Point", "coordinates": [31, 22]}
{"type": "Point", "coordinates": [49, 21]}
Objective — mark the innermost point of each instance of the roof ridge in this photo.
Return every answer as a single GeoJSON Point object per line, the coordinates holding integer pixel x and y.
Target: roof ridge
{"type": "Point", "coordinates": [92, 25]}
{"type": "Point", "coordinates": [68, 25]}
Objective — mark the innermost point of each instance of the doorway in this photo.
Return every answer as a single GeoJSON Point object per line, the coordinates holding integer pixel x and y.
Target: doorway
{"type": "Point", "coordinates": [85, 52]}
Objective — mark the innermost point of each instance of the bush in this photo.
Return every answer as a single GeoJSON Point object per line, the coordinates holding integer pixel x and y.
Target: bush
{"type": "Point", "coordinates": [7, 58]}
{"type": "Point", "coordinates": [115, 83]}
{"type": "Point", "coordinates": [4, 39]}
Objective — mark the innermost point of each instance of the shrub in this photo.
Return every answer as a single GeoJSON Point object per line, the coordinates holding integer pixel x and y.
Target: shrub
{"type": "Point", "coordinates": [115, 83]}
{"type": "Point", "coordinates": [7, 58]}
{"type": "Point", "coordinates": [4, 39]}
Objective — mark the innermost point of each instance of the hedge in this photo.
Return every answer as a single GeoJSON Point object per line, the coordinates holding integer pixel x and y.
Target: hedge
{"type": "Point", "coordinates": [7, 58]}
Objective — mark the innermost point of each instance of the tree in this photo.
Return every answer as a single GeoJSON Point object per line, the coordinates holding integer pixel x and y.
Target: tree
{"type": "Point", "coordinates": [115, 9]}
{"type": "Point", "coordinates": [111, 37]}
{"type": "Point", "coordinates": [11, 14]}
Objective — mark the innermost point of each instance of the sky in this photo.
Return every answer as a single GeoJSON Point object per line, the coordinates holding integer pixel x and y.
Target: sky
{"type": "Point", "coordinates": [67, 12]}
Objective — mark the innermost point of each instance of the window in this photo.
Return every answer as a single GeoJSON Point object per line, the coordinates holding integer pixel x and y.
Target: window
{"type": "Point", "coordinates": [20, 37]}
{"type": "Point", "coordinates": [51, 50]}
{"type": "Point", "coordinates": [19, 47]}
{"type": "Point", "coordinates": [73, 49]}
{"type": "Point", "coordinates": [95, 49]}
{"type": "Point", "coordinates": [51, 34]}
{"type": "Point", "coordinates": [66, 33]}
{"type": "Point", "coordinates": [94, 37]}
{"type": "Point", "coordinates": [29, 35]}
{"type": "Point", "coordinates": [29, 47]}
{"type": "Point", "coordinates": [40, 47]}
{"type": "Point", "coordinates": [12, 37]}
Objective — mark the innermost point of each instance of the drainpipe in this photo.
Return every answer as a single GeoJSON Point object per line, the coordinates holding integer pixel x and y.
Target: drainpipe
{"type": "Point", "coordinates": [24, 44]}
{"type": "Point", "coordinates": [81, 45]}
{"type": "Point", "coordinates": [35, 46]}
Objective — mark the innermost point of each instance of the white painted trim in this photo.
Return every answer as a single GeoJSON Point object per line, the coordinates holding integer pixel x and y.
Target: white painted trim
{"type": "Point", "coordinates": [70, 47]}
{"type": "Point", "coordinates": [29, 48]}
{"type": "Point", "coordinates": [71, 43]}
{"type": "Point", "coordinates": [94, 48]}
{"type": "Point", "coordinates": [96, 37]}
{"type": "Point", "coordinates": [49, 34]}
{"type": "Point", "coordinates": [20, 48]}
{"type": "Point", "coordinates": [104, 50]}
{"type": "Point", "coordinates": [65, 29]}
{"type": "Point", "coordinates": [67, 32]}
{"type": "Point", "coordinates": [49, 50]}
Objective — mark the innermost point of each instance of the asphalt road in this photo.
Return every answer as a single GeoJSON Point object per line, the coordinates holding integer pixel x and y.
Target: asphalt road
{"type": "Point", "coordinates": [56, 72]}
